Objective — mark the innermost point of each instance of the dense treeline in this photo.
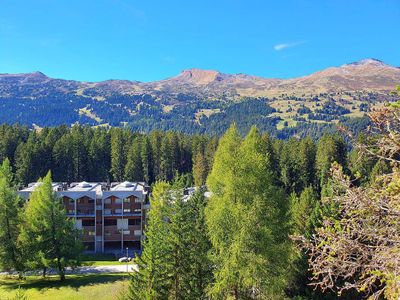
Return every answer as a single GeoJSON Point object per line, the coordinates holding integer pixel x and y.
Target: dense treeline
{"type": "Point", "coordinates": [82, 153]}
{"type": "Point", "coordinates": [233, 245]}
{"type": "Point", "coordinates": [262, 192]}
{"type": "Point", "coordinates": [181, 112]}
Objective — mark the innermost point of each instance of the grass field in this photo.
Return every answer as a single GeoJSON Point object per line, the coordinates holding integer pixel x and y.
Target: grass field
{"type": "Point", "coordinates": [100, 260]}
{"type": "Point", "coordinates": [75, 287]}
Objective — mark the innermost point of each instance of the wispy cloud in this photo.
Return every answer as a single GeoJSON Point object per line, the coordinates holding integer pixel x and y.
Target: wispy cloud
{"type": "Point", "coordinates": [279, 47]}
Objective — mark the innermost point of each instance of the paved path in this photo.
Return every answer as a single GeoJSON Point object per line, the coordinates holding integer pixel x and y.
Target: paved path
{"type": "Point", "coordinates": [102, 269]}
{"type": "Point", "coordinates": [121, 268]}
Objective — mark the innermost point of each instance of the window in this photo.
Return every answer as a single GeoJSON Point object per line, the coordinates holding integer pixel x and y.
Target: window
{"type": "Point", "coordinates": [134, 222]}
{"type": "Point", "coordinates": [126, 232]}
{"type": "Point", "coordinates": [71, 201]}
{"type": "Point", "coordinates": [107, 232]}
{"type": "Point", "coordinates": [118, 211]}
{"type": "Point", "coordinates": [127, 210]}
{"type": "Point", "coordinates": [91, 232]}
{"type": "Point", "coordinates": [70, 211]}
{"type": "Point", "coordinates": [137, 200]}
{"type": "Point", "coordinates": [118, 201]}
{"type": "Point", "coordinates": [87, 222]}
{"type": "Point", "coordinates": [110, 222]}
{"type": "Point", "coordinates": [107, 201]}
{"type": "Point", "coordinates": [127, 200]}
{"type": "Point", "coordinates": [91, 201]}
{"type": "Point", "coordinates": [137, 210]}
{"type": "Point", "coordinates": [107, 211]}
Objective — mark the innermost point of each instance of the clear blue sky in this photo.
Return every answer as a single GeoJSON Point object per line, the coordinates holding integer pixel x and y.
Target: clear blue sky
{"type": "Point", "coordinates": [148, 40]}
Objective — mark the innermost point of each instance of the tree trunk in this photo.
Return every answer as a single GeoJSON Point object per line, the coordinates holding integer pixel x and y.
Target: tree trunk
{"type": "Point", "coordinates": [61, 271]}
{"type": "Point", "coordinates": [44, 272]}
{"type": "Point", "coordinates": [236, 293]}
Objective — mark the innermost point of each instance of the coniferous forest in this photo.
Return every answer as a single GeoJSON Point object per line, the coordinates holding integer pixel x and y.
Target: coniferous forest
{"type": "Point", "coordinates": [295, 218]}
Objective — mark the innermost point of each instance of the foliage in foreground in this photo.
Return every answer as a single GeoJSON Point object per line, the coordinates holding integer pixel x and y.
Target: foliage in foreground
{"type": "Point", "coordinates": [358, 247]}
{"type": "Point", "coordinates": [174, 263]}
{"type": "Point", "coordinates": [246, 220]}
{"type": "Point", "coordinates": [48, 238]}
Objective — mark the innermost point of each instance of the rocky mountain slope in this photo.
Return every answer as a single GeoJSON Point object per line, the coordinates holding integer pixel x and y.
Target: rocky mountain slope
{"type": "Point", "coordinates": [197, 97]}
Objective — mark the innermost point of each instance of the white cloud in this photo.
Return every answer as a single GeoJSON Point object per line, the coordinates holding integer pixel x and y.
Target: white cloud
{"type": "Point", "coordinates": [279, 47]}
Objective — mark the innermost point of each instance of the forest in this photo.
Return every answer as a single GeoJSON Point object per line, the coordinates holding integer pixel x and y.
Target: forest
{"type": "Point", "coordinates": [283, 219]}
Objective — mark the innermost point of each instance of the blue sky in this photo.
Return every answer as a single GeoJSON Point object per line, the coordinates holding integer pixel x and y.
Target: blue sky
{"type": "Point", "coordinates": [148, 40]}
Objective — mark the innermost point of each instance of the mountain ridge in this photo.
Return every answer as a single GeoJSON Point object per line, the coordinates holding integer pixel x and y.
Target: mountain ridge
{"type": "Point", "coordinates": [199, 101]}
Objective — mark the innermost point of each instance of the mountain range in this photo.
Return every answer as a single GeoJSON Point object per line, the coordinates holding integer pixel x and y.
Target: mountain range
{"type": "Point", "coordinates": [200, 100]}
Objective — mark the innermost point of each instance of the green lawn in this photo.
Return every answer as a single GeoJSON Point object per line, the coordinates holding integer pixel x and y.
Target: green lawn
{"type": "Point", "coordinates": [100, 260]}
{"type": "Point", "coordinates": [91, 286]}
{"type": "Point", "coordinates": [103, 263]}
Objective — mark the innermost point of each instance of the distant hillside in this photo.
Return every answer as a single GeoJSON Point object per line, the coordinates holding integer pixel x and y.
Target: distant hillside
{"type": "Point", "coordinates": [202, 100]}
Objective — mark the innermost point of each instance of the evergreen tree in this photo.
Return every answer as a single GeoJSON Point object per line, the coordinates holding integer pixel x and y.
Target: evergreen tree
{"type": "Point", "coordinates": [99, 156]}
{"type": "Point", "coordinates": [51, 239]}
{"type": "Point", "coordinates": [306, 156]}
{"type": "Point", "coordinates": [79, 153]}
{"type": "Point", "coordinates": [62, 156]}
{"type": "Point", "coordinates": [155, 141]}
{"type": "Point", "coordinates": [118, 154]}
{"type": "Point", "coordinates": [11, 257]}
{"type": "Point", "coordinates": [200, 169]}
{"type": "Point", "coordinates": [134, 167]}
{"type": "Point", "coordinates": [147, 160]}
{"type": "Point", "coordinates": [303, 212]}
{"type": "Point", "coordinates": [174, 263]}
{"type": "Point", "coordinates": [166, 160]}
{"type": "Point", "coordinates": [200, 272]}
{"type": "Point", "coordinates": [330, 148]}
{"type": "Point", "coordinates": [152, 279]}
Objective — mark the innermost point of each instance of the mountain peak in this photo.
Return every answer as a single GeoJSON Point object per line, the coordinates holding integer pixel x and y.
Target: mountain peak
{"type": "Point", "coordinates": [199, 76]}
{"type": "Point", "coordinates": [368, 62]}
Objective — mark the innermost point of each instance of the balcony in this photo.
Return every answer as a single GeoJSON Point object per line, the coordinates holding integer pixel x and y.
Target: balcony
{"type": "Point", "coordinates": [88, 233]}
{"type": "Point", "coordinates": [85, 213]}
{"type": "Point", "coordinates": [119, 212]}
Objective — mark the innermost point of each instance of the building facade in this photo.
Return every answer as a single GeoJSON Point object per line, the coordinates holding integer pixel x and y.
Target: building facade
{"type": "Point", "coordinates": [111, 217]}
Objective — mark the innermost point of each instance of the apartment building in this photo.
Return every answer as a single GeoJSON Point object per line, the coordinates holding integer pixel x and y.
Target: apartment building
{"type": "Point", "coordinates": [111, 217]}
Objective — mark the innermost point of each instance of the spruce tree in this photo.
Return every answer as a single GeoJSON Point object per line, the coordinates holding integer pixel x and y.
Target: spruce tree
{"type": "Point", "coordinates": [200, 271]}
{"type": "Point", "coordinates": [152, 280]}
{"type": "Point", "coordinates": [330, 148]}
{"type": "Point", "coordinates": [147, 161]}
{"type": "Point", "coordinates": [174, 263]}
{"type": "Point", "coordinates": [134, 167]}
{"type": "Point", "coordinates": [199, 169]}
{"type": "Point", "coordinates": [118, 154]}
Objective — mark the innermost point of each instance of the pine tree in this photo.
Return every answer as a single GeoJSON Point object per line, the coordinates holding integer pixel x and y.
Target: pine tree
{"type": "Point", "coordinates": [174, 263]}
{"type": "Point", "coordinates": [152, 279]}
{"type": "Point", "coordinates": [200, 273]}
{"type": "Point", "coordinates": [306, 155]}
{"type": "Point", "coordinates": [199, 169]}
{"type": "Point", "coordinates": [330, 148]}
{"type": "Point", "coordinates": [50, 238]}
{"type": "Point", "coordinates": [246, 219]}
{"type": "Point", "coordinates": [147, 161]}
{"type": "Point", "coordinates": [99, 156]}
{"type": "Point", "coordinates": [118, 154]}
{"type": "Point", "coordinates": [166, 160]}
{"type": "Point", "coordinates": [11, 257]}
{"type": "Point", "coordinates": [134, 167]}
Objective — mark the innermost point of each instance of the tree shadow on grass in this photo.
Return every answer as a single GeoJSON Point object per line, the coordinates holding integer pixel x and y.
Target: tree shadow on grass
{"type": "Point", "coordinates": [53, 282]}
